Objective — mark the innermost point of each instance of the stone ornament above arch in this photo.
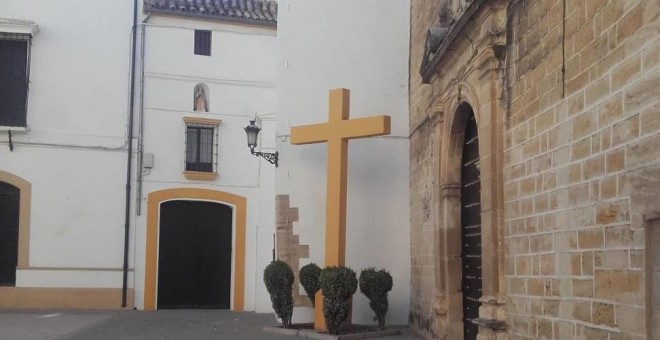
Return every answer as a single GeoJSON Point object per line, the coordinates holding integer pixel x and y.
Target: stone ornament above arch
{"type": "Point", "coordinates": [25, 202]}
{"type": "Point", "coordinates": [239, 205]}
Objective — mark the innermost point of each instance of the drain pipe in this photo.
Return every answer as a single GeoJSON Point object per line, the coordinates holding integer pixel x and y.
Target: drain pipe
{"type": "Point", "coordinates": [129, 165]}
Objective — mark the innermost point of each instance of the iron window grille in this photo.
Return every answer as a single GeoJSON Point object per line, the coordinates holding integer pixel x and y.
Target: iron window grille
{"type": "Point", "coordinates": [201, 147]}
{"type": "Point", "coordinates": [202, 42]}
{"type": "Point", "coordinates": [14, 78]}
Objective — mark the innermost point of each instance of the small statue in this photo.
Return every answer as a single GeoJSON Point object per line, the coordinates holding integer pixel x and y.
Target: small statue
{"type": "Point", "coordinates": [200, 100]}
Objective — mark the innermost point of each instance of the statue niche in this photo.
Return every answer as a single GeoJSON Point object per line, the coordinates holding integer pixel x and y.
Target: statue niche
{"type": "Point", "coordinates": [200, 101]}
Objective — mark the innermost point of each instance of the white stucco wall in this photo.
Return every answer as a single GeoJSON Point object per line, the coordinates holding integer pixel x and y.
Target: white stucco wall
{"type": "Point", "coordinates": [240, 75]}
{"type": "Point", "coordinates": [74, 152]}
{"type": "Point", "coordinates": [362, 46]}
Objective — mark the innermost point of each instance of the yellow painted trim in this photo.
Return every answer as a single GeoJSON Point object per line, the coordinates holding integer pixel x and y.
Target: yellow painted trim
{"type": "Point", "coordinates": [154, 200]}
{"type": "Point", "coordinates": [202, 176]}
{"type": "Point", "coordinates": [198, 120]}
{"type": "Point", "coordinates": [23, 216]}
{"type": "Point", "coordinates": [76, 298]}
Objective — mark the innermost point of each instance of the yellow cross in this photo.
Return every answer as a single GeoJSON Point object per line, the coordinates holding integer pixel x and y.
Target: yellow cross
{"type": "Point", "coordinates": [336, 132]}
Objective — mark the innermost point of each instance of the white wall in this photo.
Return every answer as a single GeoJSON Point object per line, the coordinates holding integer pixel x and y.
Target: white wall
{"type": "Point", "coordinates": [240, 74]}
{"type": "Point", "coordinates": [74, 152]}
{"type": "Point", "coordinates": [362, 46]}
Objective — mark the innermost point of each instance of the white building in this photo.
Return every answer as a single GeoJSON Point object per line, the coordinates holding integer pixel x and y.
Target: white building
{"type": "Point", "coordinates": [63, 159]}
{"type": "Point", "coordinates": [201, 205]}
{"type": "Point", "coordinates": [63, 155]}
{"type": "Point", "coordinates": [205, 76]}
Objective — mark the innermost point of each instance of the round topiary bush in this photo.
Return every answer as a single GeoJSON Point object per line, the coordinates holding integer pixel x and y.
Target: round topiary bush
{"type": "Point", "coordinates": [278, 278]}
{"type": "Point", "coordinates": [375, 285]}
{"type": "Point", "coordinates": [309, 279]}
{"type": "Point", "coordinates": [338, 285]}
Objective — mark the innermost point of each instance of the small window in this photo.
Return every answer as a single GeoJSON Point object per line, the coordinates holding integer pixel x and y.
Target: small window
{"type": "Point", "coordinates": [14, 74]}
{"type": "Point", "coordinates": [201, 158]}
{"type": "Point", "coordinates": [202, 42]}
{"type": "Point", "coordinates": [199, 147]}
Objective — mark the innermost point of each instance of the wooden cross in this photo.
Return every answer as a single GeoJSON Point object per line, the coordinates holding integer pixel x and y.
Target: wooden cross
{"type": "Point", "coordinates": [336, 132]}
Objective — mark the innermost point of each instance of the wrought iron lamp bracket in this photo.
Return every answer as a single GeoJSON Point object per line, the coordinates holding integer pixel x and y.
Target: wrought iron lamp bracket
{"type": "Point", "coordinates": [271, 157]}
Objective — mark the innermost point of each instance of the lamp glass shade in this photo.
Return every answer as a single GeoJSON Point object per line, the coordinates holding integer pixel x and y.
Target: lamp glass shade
{"type": "Point", "coordinates": [252, 132]}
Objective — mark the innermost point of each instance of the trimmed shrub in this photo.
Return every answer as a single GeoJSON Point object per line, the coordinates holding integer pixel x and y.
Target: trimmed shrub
{"type": "Point", "coordinates": [375, 285]}
{"type": "Point", "coordinates": [278, 278]}
{"type": "Point", "coordinates": [338, 285]}
{"type": "Point", "coordinates": [309, 279]}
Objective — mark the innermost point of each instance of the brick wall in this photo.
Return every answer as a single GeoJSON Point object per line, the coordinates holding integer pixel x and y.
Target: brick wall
{"type": "Point", "coordinates": [574, 242]}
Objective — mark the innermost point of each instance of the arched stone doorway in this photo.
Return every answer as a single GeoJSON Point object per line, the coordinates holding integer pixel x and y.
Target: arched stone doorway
{"type": "Point", "coordinates": [155, 202]}
{"type": "Point", "coordinates": [467, 260]}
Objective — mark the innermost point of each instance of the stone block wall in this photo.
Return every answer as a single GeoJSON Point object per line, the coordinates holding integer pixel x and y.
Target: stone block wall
{"type": "Point", "coordinates": [289, 248]}
{"type": "Point", "coordinates": [423, 165]}
{"type": "Point", "coordinates": [574, 237]}
{"type": "Point", "coordinates": [579, 94]}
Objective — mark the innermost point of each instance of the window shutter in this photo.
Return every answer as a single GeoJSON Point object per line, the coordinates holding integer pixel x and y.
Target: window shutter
{"type": "Point", "coordinates": [13, 80]}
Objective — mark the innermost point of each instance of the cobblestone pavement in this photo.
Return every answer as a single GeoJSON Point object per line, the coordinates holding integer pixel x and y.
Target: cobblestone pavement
{"type": "Point", "coordinates": [139, 325]}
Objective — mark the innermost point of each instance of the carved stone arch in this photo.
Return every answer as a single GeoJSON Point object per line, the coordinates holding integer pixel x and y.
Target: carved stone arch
{"type": "Point", "coordinates": [448, 242]}
{"type": "Point", "coordinates": [464, 104]}
{"type": "Point", "coordinates": [468, 74]}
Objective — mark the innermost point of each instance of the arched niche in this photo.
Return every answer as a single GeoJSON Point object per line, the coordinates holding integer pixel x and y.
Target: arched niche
{"type": "Point", "coordinates": [201, 96]}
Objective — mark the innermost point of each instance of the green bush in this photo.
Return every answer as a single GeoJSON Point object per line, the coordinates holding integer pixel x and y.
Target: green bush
{"type": "Point", "coordinates": [309, 279]}
{"type": "Point", "coordinates": [338, 285]}
{"type": "Point", "coordinates": [278, 278]}
{"type": "Point", "coordinates": [375, 285]}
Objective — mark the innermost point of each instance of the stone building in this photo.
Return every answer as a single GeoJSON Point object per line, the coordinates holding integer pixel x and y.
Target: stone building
{"type": "Point", "coordinates": [535, 169]}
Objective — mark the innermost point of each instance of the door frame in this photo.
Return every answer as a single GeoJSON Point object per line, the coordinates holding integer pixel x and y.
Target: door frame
{"type": "Point", "coordinates": [25, 199]}
{"type": "Point", "coordinates": [239, 206]}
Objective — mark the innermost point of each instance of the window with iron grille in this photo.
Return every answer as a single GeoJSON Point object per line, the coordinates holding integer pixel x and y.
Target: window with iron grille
{"type": "Point", "coordinates": [201, 147]}
{"type": "Point", "coordinates": [14, 76]}
{"type": "Point", "coordinates": [202, 42]}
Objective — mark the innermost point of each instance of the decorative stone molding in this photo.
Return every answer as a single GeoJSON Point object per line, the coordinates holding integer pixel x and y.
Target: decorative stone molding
{"type": "Point", "coordinates": [18, 26]}
{"type": "Point", "coordinates": [450, 190]}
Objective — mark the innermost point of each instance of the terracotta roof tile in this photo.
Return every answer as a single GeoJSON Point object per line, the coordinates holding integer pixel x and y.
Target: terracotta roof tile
{"type": "Point", "coordinates": [260, 12]}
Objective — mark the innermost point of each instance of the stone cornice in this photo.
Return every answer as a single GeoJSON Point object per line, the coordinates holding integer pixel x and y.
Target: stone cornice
{"type": "Point", "coordinates": [18, 26]}
{"type": "Point", "coordinates": [454, 32]}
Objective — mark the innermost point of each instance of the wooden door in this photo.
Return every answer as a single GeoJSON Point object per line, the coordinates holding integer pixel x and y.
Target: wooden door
{"type": "Point", "coordinates": [471, 229]}
{"type": "Point", "coordinates": [194, 260]}
{"type": "Point", "coordinates": [9, 218]}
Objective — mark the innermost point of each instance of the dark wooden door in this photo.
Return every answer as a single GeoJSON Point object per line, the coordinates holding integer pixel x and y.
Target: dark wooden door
{"type": "Point", "coordinates": [471, 229]}
{"type": "Point", "coordinates": [194, 255]}
{"type": "Point", "coordinates": [9, 217]}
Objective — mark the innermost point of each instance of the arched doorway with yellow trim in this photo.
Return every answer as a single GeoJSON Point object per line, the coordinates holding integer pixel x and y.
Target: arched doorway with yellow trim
{"type": "Point", "coordinates": [154, 202]}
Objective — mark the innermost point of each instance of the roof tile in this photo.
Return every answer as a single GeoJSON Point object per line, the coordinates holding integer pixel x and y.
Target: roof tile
{"type": "Point", "coordinates": [261, 12]}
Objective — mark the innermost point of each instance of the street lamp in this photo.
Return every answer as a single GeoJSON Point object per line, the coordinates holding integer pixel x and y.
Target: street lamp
{"type": "Point", "coordinates": [252, 132]}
